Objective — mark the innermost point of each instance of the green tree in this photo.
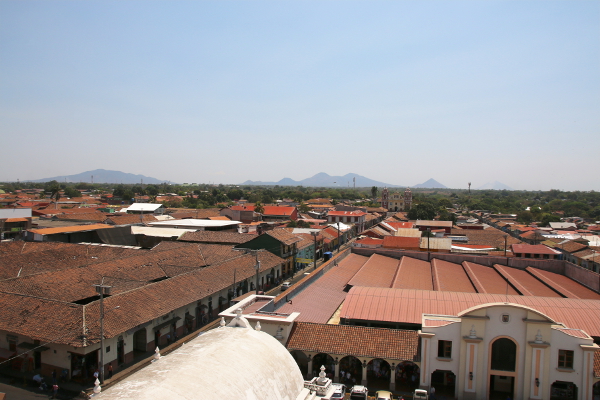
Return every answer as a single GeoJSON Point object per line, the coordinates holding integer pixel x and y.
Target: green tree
{"type": "Point", "coordinates": [259, 208]}
{"type": "Point", "coordinates": [424, 211]}
{"type": "Point", "coordinates": [547, 218]}
{"type": "Point", "coordinates": [525, 217]}
{"type": "Point", "coordinates": [292, 224]}
{"type": "Point", "coordinates": [303, 207]}
{"type": "Point", "coordinates": [374, 192]}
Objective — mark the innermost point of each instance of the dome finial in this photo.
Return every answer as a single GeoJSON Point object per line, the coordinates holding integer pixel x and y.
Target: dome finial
{"type": "Point", "coordinates": [258, 327]}
{"type": "Point", "coordinates": [222, 323]}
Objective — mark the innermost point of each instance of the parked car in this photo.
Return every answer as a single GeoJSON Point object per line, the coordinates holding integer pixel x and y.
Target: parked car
{"type": "Point", "coordinates": [383, 395]}
{"type": "Point", "coordinates": [359, 392]}
{"type": "Point", "coordinates": [420, 394]}
{"type": "Point", "coordinates": [338, 391]}
{"type": "Point", "coordinates": [285, 286]}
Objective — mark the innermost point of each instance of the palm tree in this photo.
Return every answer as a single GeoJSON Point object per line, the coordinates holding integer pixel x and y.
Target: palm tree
{"type": "Point", "coordinates": [259, 208]}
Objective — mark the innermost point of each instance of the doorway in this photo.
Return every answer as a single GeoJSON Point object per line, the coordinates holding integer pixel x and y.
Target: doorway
{"type": "Point", "coordinates": [501, 387]}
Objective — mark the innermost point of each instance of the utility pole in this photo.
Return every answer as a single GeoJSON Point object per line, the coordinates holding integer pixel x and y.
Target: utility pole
{"type": "Point", "coordinates": [257, 265]}
{"type": "Point", "coordinates": [315, 252]}
{"type": "Point", "coordinates": [102, 290]}
{"type": "Point", "coordinates": [428, 253]}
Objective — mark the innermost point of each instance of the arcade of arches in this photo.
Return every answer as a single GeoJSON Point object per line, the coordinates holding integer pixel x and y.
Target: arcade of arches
{"type": "Point", "coordinates": [376, 373]}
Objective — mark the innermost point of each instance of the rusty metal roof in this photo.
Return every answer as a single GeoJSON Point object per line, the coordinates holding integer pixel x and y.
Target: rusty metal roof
{"type": "Point", "coordinates": [450, 277]}
{"type": "Point", "coordinates": [377, 271]}
{"type": "Point", "coordinates": [413, 274]}
{"type": "Point", "coordinates": [487, 280]}
{"type": "Point", "coordinates": [408, 306]}
{"type": "Point", "coordinates": [525, 283]}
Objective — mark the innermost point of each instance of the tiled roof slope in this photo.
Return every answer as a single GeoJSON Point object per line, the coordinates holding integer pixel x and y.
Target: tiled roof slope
{"type": "Point", "coordinates": [21, 261]}
{"type": "Point", "coordinates": [321, 299]}
{"type": "Point", "coordinates": [378, 271]}
{"type": "Point", "coordinates": [89, 216]}
{"type": "Point", "coordinates": [413, 274]}
{"type": "Point", "coordinates": [62, 322]}
{"type": "Point", "coordinates": [489, 237]}
{"type": "Point", "coordinates": [282, 235]}
{"type": "Point", "coordinates": [358, 340]}
{"type": "Point", "coordinates": [408, 306]}
{"type": "Point", "coordinates": [216, 237]}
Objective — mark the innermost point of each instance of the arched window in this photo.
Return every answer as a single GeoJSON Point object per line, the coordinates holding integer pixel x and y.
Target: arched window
{"type": "Point", "coordinates": [504, 355]}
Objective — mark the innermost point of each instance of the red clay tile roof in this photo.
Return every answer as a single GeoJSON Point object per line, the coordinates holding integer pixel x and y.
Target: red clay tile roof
{"type": "Point", "coordinates": [413, 274]}
{"type": "Point", "coordinates": [408, 306]}
{"type": "Point", "coordinates": [370, 241]}
{"type": "Point", "coordinates": [398, 242]}
{"type": "Point", "coordinates": [394, 344]}
{"type": "Point", "coordinates": [597, 363]}
{"type": "Point", "coordinates": [216, 237]}
{"type": "Point", "coordinates": [282, 235]}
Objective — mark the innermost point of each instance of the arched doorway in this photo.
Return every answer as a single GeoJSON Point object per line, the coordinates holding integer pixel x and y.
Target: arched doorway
{"type": "Point", "coordinates": [444, 383]}
{"type": "Point", "coordinates": [378, 374]}
{"type": "Point", "coordinates": [565, 391]}
{"type": "Point", "coordinates": [139, 342]}
{"type": "Point", "coordinates": [407, 376]}
{"type": "Point", "coordinates": [301, 360]}
{"type": "Point", "coordinates": [596, 390]}
{"type": "Point", "coordinates": [325, 360]}
{"type": "Point", "coordinates": [503, 368]}
{"type": "Point", "coordinates": [352, 369]}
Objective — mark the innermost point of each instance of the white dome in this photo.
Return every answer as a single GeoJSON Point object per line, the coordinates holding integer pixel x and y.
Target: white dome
{"type": "Point", "coordinates": [224, 363]}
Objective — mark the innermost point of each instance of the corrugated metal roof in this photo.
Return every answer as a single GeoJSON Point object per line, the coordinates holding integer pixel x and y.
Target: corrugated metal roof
{"type": "Point", "coordinates": [450, 277]}
{"type": "Point", "coordinates": [377, 271]}
{"type": "Point", "coordinates": [524, 282]}
{"type": "Point", "coordinates": [563, 285]}
{"type": "Point", "coordinates": [487, 280]}
{"type": "Point", "coordinates": [413, 274]}
{"type": "Point", "coordinates": [69, 229]}
{"type": "Point", "coordinates": [408, 306]}
{"type": "Point", "coordinates": [319, 301]}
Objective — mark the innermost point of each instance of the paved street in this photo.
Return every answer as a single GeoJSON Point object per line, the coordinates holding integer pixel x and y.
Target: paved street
{"type": "Point", "coordinates": [17, 393]}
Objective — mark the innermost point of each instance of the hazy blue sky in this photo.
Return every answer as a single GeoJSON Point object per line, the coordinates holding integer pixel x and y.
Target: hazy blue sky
{"type": "Point", "coordinates": [225, 91]}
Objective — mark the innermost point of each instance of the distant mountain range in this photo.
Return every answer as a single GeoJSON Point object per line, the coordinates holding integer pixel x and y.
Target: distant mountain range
{"type": "Point", "coordinates": [102, 176]}
{"type": "Point", "coordinates": [431, 184]}
{"type": "Point", "coordinates": [324, 180]}
{"type": "Point", "coordinates": [495, 186]}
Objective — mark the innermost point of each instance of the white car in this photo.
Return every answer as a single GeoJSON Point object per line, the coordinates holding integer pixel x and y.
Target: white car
{"type": "Point", "coordinates": [285, 286]}
{"type": "Point", "coordinates": [420, 394]}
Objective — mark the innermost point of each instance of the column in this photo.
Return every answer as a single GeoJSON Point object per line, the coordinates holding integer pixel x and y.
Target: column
{"type": "Point", "coordinates": [392, 377]}
{"type": "Point", "coordinates": [310, 367]}
{"type": "Point", "coordinates": [336, 375]}
{"type": "Point", "coordinates": [364, 373]}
